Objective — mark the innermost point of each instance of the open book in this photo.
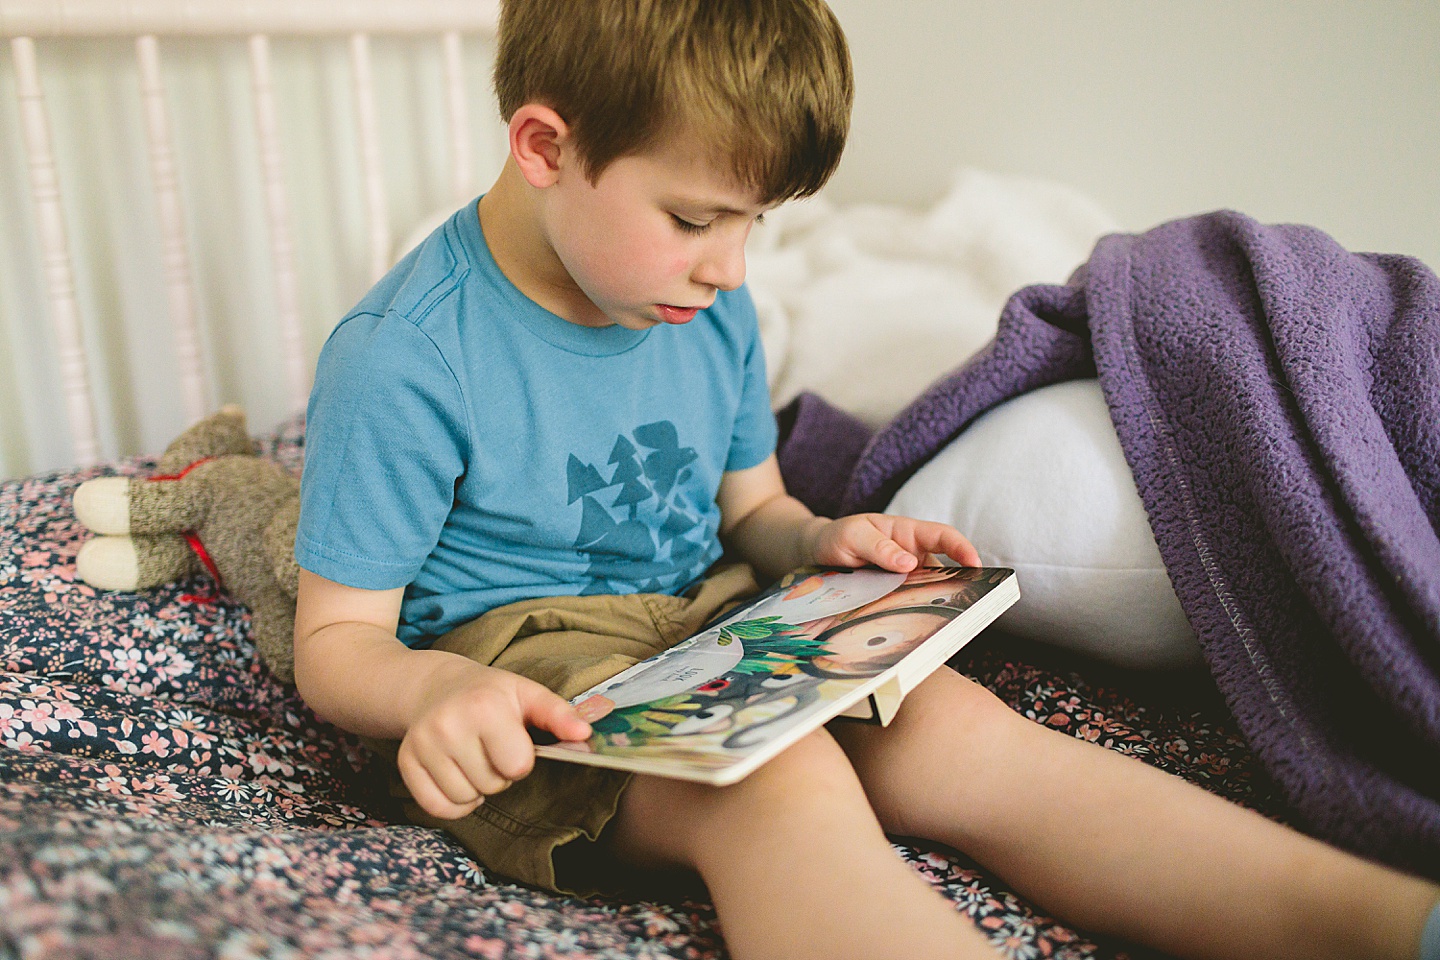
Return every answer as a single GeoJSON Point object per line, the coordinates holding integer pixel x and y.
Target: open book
{"type": "Point", "coordinates": [815, 646]}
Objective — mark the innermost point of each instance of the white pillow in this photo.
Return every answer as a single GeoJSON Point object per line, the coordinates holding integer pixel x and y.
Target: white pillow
{"type": "Point", "coordinates": [880, 300]}
{"type": "Point", "coordinates": [1040, 484]}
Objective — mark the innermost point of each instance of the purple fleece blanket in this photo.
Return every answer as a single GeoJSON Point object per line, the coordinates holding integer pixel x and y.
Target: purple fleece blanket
{"type": "Point", "coordinates": [1278, 401]}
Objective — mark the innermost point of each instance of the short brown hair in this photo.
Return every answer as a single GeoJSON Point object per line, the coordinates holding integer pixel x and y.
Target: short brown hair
{"type": "Point", "coordinates": [768, 81]}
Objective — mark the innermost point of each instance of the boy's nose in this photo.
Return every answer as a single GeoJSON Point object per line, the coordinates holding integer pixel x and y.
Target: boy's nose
{"type": "Point", "coordinates": [723, 267]}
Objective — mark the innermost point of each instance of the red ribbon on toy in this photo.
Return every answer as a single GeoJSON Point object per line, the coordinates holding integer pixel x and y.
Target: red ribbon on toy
{"type": "Point", "coordinates": [194, 541]}
{"type": "Point", "coordinates": [213, 597]}
{"type": "Point", "coordinates": [203, 554]}
{"type": "Point", "coordinates": [181, 474]}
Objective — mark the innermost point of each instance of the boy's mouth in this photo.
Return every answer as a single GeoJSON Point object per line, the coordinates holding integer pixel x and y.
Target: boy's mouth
{"type": "Point", "coordinates": [673, 314]}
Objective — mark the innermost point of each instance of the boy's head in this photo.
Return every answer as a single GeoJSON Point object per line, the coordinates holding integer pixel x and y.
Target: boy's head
{"type": "Point", "coordinates": [767, 82]}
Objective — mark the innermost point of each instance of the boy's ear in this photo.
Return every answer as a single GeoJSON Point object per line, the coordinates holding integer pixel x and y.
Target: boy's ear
{"type": "Point", "coordinates": [538, 139]}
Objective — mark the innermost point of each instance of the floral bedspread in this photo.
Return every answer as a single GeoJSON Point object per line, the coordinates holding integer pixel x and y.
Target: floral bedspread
{"type": "Point", "coordinates": [163, 797]}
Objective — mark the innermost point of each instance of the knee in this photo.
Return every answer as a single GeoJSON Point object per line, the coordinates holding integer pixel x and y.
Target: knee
{"type": "Point", "coordinates": [816, 762]}
{"type": "Point", "coordinates": [805, 775]}
{"type": "Point", "coordinates": [963, 709]}
{"type": "Point", "coordinates": [809, 786]}
{"type": "Point", "coordinates": [949, 709]}
{"type": "Point", "coordinates": [950, 731]}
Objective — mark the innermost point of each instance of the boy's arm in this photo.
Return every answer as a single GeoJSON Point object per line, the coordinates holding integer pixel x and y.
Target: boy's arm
{"type": "Point", "coordinates": [461, 724]}
{"type": "Point", "coordinates": [776, 533]}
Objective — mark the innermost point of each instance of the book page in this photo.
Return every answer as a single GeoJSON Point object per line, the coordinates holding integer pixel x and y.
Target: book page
{"type": "Point", "coordinates": [773, 669]}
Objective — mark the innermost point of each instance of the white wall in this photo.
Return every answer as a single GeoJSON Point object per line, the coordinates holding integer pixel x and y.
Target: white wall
{"type": "Point", "coordinates": [1324, 112]}
{"type": "Point", "coordinates": [1321, 112]}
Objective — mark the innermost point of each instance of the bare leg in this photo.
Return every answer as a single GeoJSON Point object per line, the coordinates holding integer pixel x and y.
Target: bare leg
{"type": "Point", "coordinates": [795, 861]}
{"type": "Point", "coordinates": [1119, 847]}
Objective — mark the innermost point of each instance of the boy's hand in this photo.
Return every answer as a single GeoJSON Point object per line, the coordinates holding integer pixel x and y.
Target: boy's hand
{"type": "Point", "coordinates": [469, 738]}
{"type": "Point", "coordinates": [894, 543]}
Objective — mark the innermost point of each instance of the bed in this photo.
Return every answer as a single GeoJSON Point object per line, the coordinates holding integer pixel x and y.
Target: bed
{"type": "Point", "coordinates": [163, 795]}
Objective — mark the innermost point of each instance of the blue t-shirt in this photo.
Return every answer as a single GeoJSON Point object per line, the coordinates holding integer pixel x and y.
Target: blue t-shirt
{"type": "Point", "coordinates": [466, 443]}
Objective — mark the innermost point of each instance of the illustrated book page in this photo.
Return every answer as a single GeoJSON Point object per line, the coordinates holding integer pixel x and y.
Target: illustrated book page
{"type": "Point", "coordinates": [814, 646]}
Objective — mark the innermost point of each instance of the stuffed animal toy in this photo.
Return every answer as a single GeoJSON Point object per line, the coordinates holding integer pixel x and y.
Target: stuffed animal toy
{"type": "Point", "coordinates": [214, 506]}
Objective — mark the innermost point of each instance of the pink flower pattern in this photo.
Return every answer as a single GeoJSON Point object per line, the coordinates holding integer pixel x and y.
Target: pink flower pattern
{"type": "Point", "coordinates": [161, 795]}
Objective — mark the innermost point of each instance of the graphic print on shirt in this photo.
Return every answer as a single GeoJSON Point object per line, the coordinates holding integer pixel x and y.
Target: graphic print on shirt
{"type": "Point", "coordinates": [647, 536]}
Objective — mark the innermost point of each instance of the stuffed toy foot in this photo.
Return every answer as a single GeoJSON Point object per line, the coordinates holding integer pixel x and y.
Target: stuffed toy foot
{"type": "Point", "coordinates": [212, 506]}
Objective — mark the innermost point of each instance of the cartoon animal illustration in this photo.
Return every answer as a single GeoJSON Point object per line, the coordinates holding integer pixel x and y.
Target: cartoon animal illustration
{"type": "Point", "coordinates": [778, 668]}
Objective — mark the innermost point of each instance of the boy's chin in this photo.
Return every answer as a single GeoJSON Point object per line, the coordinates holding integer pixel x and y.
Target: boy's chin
{"type": "Point", "coordinates": [636, 321]}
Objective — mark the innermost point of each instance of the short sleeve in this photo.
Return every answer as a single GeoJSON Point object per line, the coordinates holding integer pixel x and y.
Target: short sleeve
{"type": "Point", "coordinates": [387, 439]}
{"type": "Point", "coordinates": [755, 432]}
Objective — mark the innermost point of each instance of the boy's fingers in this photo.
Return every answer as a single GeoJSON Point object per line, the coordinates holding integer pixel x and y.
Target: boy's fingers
{"type": "Point", "coordinates": [427, 793]}
{"type": "Point", "coordinates": [954, 545]}
{"type": "Point", "coordinates": [965, 552]}
{"type": "Point", "coordinates": [483, 774]}
{"type": "Point", "coordinates": [509, 755]}
{"type": "Point", "coordinates": [549, 711]}
{"type": "Point", "coordinates": [460, 783]}
{"type": "Point", "coordinates": [874, 545]}
{"type": "Point", "coordinates": [460, 773]}
{"type": "Point", "coordinates": [932, 537]}
{"type": "Point", "coordinates": [899, 559]}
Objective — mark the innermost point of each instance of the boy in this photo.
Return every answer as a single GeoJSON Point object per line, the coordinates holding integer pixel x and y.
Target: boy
{"type": "Point", "coordinates": [468, 565]}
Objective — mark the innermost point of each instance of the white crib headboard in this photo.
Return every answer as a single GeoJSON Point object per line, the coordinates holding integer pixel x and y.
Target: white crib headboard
{"type": "Point", "coordinates": [129, 359]}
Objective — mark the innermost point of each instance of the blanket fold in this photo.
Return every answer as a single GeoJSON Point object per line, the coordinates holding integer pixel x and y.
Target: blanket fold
{"type": "Point", "coordinates": [1278, 401]}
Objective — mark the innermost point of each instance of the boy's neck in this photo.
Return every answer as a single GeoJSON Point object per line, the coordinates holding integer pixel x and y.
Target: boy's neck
{"type": "Point", "coordinates": [513, 232]}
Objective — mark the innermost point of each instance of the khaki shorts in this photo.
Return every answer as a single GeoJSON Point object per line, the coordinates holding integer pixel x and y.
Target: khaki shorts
{"type": "Point", "coordinates": [569, 644]}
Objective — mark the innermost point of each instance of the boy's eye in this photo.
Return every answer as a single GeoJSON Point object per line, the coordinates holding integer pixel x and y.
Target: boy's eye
{"type": "Point", "coordinates": [689, 227]}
